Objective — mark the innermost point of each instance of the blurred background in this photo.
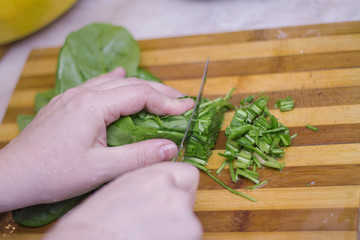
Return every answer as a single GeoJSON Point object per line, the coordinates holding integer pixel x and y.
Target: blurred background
{"type": "Point", "coordinates": [147, 19]}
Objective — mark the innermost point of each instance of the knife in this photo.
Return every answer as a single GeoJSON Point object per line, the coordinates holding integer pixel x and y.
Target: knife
{"type": "Point", "coordinates": [189, 129]}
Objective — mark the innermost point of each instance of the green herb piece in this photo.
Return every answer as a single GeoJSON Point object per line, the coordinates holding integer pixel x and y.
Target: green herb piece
{"type": "Point", "coordinates": [259, 185]}
{"type": "Point", "coordinates": [223, 184]}
{"type": "Point", "coordinates": [247, 175]}
{"type": "Point", "coordinates": [312, 128]}
{"type": "Point", "coordinates": [286, 104]}
{"type": "Point", "coordinates": [276, 165]}
{"type": "Point", "coordinates": [274, 130]}
{"type": "Point", "coordinates": [248, 99]}
{"type": "Point", "coordinates": [221, 167]}
{"type": "Point", "coordinates": [294, 136]}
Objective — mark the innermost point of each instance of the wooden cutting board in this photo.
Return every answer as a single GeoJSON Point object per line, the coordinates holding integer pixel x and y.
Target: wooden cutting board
{"type": "Point", "coordinates": [317, 194]}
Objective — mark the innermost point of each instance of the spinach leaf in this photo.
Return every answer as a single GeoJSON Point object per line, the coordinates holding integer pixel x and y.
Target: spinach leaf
{"type": "Point", "coordinates": [95, 49]}
{"type": "Point", "coordinates": [143, 74]}
{"type": "Point", "coordinates": [24, 120]}
{"type": "Point", "coordinates": [42, 214]}
{"type": "Point", "coordinates": [42, 99]}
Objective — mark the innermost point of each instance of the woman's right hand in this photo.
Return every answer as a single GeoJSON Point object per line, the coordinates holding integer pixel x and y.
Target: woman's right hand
{"type": "Point", "coordinates": [154, 202]}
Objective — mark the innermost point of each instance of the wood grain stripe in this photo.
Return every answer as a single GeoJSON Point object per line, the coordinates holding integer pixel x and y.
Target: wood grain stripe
{"type": "Point", "coordinates": [236, 67]}
{"type": "Point", "coordinates": [270, 82]}
{"type": "Point", "coordinates": [253, 35]}
{"type": "Point", "coordinates": [295, 63]}
{"type": "Point", "coordinates": [317, 30]}
{"type": "Point", "coordinates": [318, 155]}
{"type": "Point", "coordinates": [328, 134]}
{"type": "Point", "coordinates": [291, 177]}
{"type": "Point", "coordinates": [261, 49]}
{"type": "Point", "coordinates": [243, 84]}
{"type": "Point", "coordinates": [280, 220]}
{"type": "Point", "coordinates": [23, 99]}
{"type": "Point", "coordinates": [293, 235]}
{"type": "Point", "coordinates": [343, 114]}
{"type": "Point", "coordinates": [305, 98]}
{"type": "Point", "coordinates": [280, 198]}
{"type": "Point", "coordinates": [21, 236]}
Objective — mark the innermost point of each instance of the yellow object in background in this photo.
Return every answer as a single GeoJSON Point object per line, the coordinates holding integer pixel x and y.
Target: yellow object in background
{"type": "Point", "coordinates": [19, 18]}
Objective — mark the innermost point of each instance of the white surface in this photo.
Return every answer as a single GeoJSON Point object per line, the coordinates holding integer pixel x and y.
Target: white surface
{"type": "Point", "coordinates": [166, 18]}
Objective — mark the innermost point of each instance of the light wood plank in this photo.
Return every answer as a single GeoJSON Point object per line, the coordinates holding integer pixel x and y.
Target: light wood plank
{"type": "Point", "coordinates": [342, 114]}
{"type": "Point", "coordinates": [261, 49]}
{"type": "Point", "coordinates": [271, 82]}
{"type": "Point", "coordinates": [243, 84]}
{"type": "Point", "coordinates": [325, 235]}
{"type": "Point", "coordinates": [251, 50]}
{"type": "Point", "coordinates": [333, 154]}
{"type": "Point", "coordinates": [24, 97]}
{"type": "Point", "coordinates": [279, 198]}
{"type": "Point", "coordinates": [8, 131]}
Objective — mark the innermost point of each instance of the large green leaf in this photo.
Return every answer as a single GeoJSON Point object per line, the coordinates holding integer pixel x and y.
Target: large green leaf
{"type": "Point", "coordinates": [94, 50]}
{"type": "Point", "coordinates": [39, 215]}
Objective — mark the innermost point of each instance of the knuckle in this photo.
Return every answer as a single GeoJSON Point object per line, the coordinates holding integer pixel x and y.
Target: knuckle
{"type": "Point", "coordinates": [79, 100]}
{"type": "Point", "coordinates": [142, 157]}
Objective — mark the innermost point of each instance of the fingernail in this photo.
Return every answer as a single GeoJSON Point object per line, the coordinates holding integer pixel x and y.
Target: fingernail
{"type": "Point", "coordinates": [168, 151]}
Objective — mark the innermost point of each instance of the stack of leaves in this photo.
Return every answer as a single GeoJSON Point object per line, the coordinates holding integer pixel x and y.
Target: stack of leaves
{"type": "Point", "coordinates": [144, 125]}
{"type": "Point", "coordinates": [254, 140]}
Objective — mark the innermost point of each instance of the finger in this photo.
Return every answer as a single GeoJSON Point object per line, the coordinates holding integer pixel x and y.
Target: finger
{"type": "Point", "coordinates": [117, 160]}
{"type": "Point", "coordinates": [114, 83]}
{"type": "Point", "coordinates": [131, 99]}
{"type": "Point", "coordinates": [117, 73]}
{"type": "Point", "coordinates": [186, 176]}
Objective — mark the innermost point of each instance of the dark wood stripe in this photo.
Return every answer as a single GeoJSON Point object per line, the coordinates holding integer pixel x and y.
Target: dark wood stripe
{"type": "Point", "coordinates": [342, 219]}
{"type": "Point", "coordinates": [232, 37]}
{"type": "Point", "coordinates": [280, 220]}
{"type": "Point", "coordinates": [40, 81]}
{"type": "Point", "coordinates": [328, 134]}
{"type": "Point", "coordinates": [12, 113]}
{"type": "Point", "coordinates": [320, 97]}
{"type": "Point", "coordinates": [291, 177]}
{"type": "Point", "coordinates": [279, 64]}
{"type": "Point", "coordinates": [301, 97]}
{"type": "Point", "coordinates": [252, 35]}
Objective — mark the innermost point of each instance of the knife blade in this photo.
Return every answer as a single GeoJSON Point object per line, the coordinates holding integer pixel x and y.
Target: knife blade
{"type": "Point", "coordinates": [189, 129]}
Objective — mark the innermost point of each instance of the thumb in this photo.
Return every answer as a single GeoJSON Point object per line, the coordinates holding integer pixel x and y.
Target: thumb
{"type": "Point", "coordinates": [118, 160]}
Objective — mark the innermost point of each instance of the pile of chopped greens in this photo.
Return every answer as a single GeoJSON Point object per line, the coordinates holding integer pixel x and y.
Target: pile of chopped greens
{"type": "Point", "coordinates": [254, 140]}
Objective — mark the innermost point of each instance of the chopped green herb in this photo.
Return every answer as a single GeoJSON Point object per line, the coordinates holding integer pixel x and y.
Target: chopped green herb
{"type": "Point", "coordinates": [255, 139]}
{"type": "Point", "coordinates": [312, 128]}
{"type": "Point", "coordinates": [286, 104]}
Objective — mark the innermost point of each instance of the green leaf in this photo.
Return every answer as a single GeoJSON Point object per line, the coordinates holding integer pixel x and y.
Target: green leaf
{"type": "Point", "coordinates": [40, 215]}
{"type": "Point", "coordinates": [24, 120]}
{"type": "Point", "coordinates": [95, 49]}
{"type": "Point", "coordinates": [42, 99]}
{"type": "Point", "coordinates": [143, 74]}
